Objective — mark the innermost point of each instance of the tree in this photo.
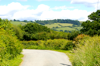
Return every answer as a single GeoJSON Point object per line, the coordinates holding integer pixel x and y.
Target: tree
{"type": "Point", "coordinates": [92, 27]}
{"type": "Point", "coordinates": [14, 19]}
{"type": "Point", "coordinates": [95, 16]}
{"type": "Point", "coordinates": [25, 20]}
{"type": "Point", "coordinates": [31, 29]}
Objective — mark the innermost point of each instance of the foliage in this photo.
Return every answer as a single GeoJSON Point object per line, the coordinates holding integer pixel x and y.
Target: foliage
{"type": "Point", "coordinates": [56, 44]}
{"type": "Point", "coordinates": [73, 34]}
{"type": "Point", "coordinates": [80, 37]}
{"type": "Point", "coordinates": [14, 62]}
{"type": "Point", "coordinates": [43, 22]}
{"type": "Point", "coordinates": [33, 28]}
{"type": "Point", "coordinates": [34, 31]}
{"type": "Point", "coordinates": [10, 46]}
{"type": "Point", "coordinates": [18, 23]}
{"type": "Point", "coordinates": [18, 32]}
{"type": "Point", "coordinates": [88, 53]}
{"type": "Point", "coordinates": [92, 27]}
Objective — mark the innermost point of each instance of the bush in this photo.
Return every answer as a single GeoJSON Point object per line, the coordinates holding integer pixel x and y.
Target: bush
{"type": "Point", "coordinates": [73, 34]}
{"type": "Point", "coordinates": [10, 46]}
{"type": "Point", "coordinates": [89, 53]}
{"type": "Point", "coordinates": [78, 40]}
{"type": "Point", "coordinates": [49, 44]}
{"type": "Point", "coordinates": [18, 32]}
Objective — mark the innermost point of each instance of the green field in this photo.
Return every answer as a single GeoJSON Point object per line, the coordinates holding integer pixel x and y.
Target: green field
{"type": "Point", "coordinates": [55, 26]}
{"type": "Point", "coordinates": [52, 25]}
{"type": "Point", "coordinates": [68, 28]}
{"type": "Point", "coordinates": [18, 23]}
{"type": "Point", "coordinates": [63, 26]}
{"type": "Point", "coordinates": [58, 25]}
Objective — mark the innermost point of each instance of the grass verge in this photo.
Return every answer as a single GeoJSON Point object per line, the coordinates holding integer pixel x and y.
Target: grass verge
{"type": "Point", "coordinates": [68, 53]}
{"type": "Point", "coordinates": [16, 61]}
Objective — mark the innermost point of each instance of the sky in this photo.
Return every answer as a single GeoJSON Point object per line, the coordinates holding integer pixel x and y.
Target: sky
{"type": "Point", "coordinates": [47, 9]}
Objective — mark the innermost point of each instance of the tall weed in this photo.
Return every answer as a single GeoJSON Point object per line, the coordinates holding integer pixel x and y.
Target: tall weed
{"type": "Point", "coordinates": [89, 53]}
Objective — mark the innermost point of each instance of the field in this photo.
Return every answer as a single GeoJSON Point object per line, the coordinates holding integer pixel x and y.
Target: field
{"type": "Point", "coordinates": [18, 23]}
{"type": "Point", "coordinates": [55, 26]}
{"type": "Point", "coordinates": [58, 25]}
{"type": "Point", "coordinates": [63, 26]}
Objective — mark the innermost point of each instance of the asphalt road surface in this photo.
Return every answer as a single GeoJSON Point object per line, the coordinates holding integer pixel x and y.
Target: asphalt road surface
{"type": "Point", "coordinates": [44, 58]}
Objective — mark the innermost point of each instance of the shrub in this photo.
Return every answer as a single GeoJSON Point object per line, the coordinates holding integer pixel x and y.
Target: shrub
{"type": "Point", "coordinates": [79, 38]}
{"type": "Point", "coordinates": [73, 34]}
{"type": "Point", "coordinates": [89, 53]}
{"type": "Point", "coordinates": [49, 44]}
{"type": "Point", "coordinates": [18, 32]}
{"type": "Point", "coordinates": [10, 46]}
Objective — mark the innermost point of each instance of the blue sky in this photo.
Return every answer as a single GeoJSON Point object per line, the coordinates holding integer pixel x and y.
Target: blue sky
{"type": "Point", "coordinates": [47, 9]}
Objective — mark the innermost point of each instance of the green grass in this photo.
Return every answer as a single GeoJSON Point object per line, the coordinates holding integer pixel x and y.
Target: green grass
{"type": "Point", "coordinates": [88, 53]}
{"type": "Point", "coordinates": [68, 53]}
{"type": "Point", "coordinates": [65, 24]}
{"type": "Point", "coordinates": [58, 25]}
{"type": "Point", "coordinates": [65, 28]}
{"type": "Point", "coordinates": [78, 28]}
{"type": "Point", "coordinates": [16, 61]}
{"type": "Point", "coordinates": [18, 23]}
{"type": "Point", "coordinates": [13, 62]}
{"type": "Point", "coordinates": [52, 25]}
{"type": "Point", "coordinates": [68, 28]}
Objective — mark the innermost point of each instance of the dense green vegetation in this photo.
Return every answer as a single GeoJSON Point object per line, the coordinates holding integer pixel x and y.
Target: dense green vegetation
{"type": "Point", "coordinates": [43, 22]}
{"type": "Point", "coordinates": [83, 46]}
{"type": "Point", "coordinates": [92, 27]}
{"type": "Point", "coordinates": [56, 44]}
{"type": "Point", "coordinates": [18, 23]}
{"type": "Point", "coordinates": [10, 46]}
{"type": "Point", "coordinates": [88, 52]}
{"type": "Point", "coordinates": [34, 31]}
{"type": "Point", "coordinates": [65, 25]}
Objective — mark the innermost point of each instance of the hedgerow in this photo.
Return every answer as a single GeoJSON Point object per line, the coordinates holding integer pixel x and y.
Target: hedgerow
{"type": "Point", "coordinates": [10, 46]}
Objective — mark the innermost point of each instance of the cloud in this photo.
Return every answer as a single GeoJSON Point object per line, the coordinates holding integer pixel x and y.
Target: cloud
{"type": "Point", "coordinates": [83, 1]}
{"type": "Point", "coordinates": [66, 14]}
{"type": "Point", "coordinates": [53, 0]}
{"type": "Point", "coordinates": [62, 7]}
{"type": "Point", "coordinates": [88, 3]}
{"type": "Point", "coordinates": [7, 11]}
{"type": "Point", "coordinates": [21, 0]}
{"type": "Point", "coordinates": [15, 10]}
{"type": "Point", "coordinates": [43, 0]}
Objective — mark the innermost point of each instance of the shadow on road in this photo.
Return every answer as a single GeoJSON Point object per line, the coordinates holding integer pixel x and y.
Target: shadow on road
{"type": "Point", "coordinates": [65, 64]}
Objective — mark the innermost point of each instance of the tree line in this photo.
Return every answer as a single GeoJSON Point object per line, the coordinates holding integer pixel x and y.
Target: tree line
{"type": "Point", "coordinates": [43, 22]}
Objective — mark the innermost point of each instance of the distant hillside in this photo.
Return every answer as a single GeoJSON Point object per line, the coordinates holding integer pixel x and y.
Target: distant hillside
{"type": "Point", "coordinates": [18, 22]}
{"type": "Point", "coordinates": [43, 22]}
{"type": "Point", "coordinates": [56, 25]}
{"type": "Point", "coordinates": [65, 27]}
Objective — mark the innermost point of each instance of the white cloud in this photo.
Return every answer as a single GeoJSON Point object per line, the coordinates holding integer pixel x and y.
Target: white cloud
{"type": "Point", "coordinates": [66, 14]}
{"type": "Point", "coordinates": [88, 3]}
{"type": "Point", "coordinates": [43, 12]}
{"type": "Point", "coordinates": [21, 0]}
{"type": "Point", "coordinates": [84, 1]}
{"type": "Point", "coordinates": [62, 7]}
{"type": "Point", "coordinates": [53, 0]}
{"type": "Point", "coordinates": [7, 11]}
{"type": "Point", "coordinates": [43, 0]}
